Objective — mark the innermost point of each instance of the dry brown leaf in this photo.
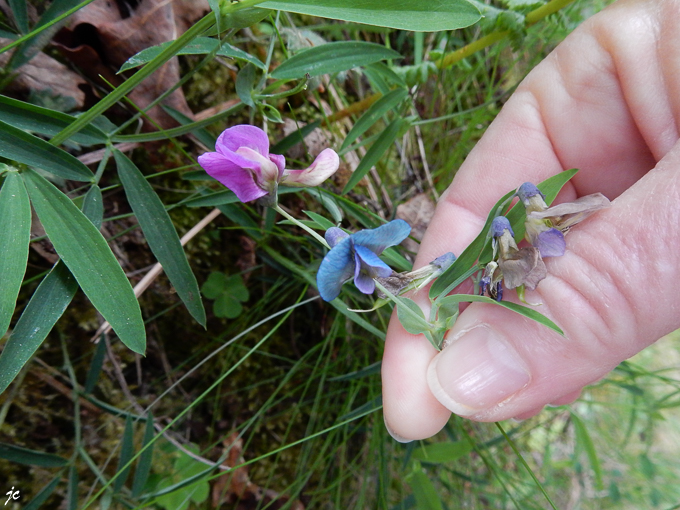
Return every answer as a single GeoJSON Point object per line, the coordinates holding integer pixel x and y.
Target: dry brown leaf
{"type": "Point", "coordinates": [46, 75]}
{"type": "Point", "coordinates": [104, 34]}
{"type": "Point", "coordinates": [417, 212]}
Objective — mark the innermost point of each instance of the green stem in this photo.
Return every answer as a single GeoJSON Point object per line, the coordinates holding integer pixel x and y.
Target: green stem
{"type": "Point", "coordinates": [302, 226]}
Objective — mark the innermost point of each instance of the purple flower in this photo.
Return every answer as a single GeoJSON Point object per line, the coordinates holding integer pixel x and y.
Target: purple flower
{"type": "Point", "coordinates": [515, 266]}
{"type": "Point", "coordinates": [243, 164]}
{"type": "Point", "coordinates": [356, 256]}
{"type": "Point", "coordinates": [546, 226]}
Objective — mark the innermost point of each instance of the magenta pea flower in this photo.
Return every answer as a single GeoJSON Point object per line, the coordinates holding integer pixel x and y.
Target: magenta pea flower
{"type": "Point", "coordinates": [356, 256]}
{"type": "Point", "coordinates": [547, 226]}
{"type": "Point", "coordinates": [242, 163]}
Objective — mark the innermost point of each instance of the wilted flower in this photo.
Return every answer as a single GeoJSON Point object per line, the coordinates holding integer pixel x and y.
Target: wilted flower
{"type": "Point", "coordinates": [546, 226]}
{"type": "Point", "coordinates": [356, 255]}
{"type": "Point", "coordinates": [243, 164]}
{"type": "Point", "coordinates": [515, 266]}
{"type": "Point", "coordinates": [398, 282]}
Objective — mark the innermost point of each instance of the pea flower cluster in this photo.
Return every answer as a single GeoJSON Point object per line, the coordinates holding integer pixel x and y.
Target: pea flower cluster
{"type": "Point", "coordinates": [545, 229]}
{"type": "Point", "coordinates": [243, 164]}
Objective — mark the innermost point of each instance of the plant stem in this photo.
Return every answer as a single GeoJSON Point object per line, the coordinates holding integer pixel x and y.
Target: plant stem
{"type": "Point", "coordinates": [302, 226]}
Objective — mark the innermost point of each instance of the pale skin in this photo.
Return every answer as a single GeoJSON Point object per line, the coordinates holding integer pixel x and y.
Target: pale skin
{"type": "Point", "coordinates": [606, 101]}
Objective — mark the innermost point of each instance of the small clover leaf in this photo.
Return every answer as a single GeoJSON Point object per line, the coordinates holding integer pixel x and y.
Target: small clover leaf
{"type": "Point", "coordinates": [228, 292]}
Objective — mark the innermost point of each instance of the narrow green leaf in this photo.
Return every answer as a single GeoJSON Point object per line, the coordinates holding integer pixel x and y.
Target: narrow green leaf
{"type": "Point", "coordinates": [93, 206]}
{"type": "Point", "coordinates": [89, 258]}
{"type": "Point", "coordinates": [322, 222]}
{"type": "Point", "coordinates": [217, 198]}
{"type": "Point", "coordinates": [15, 234]}
{"type": "Point", "coordinates": [44, 493]}
{"type": "Point", "coordinates": [145, 459]}
{"type": "Point", "coordinates": [414, 15]}
{"type": "Point", "coordinates": [586, 442]}
{"type": "Point", "coordinates": [522, 310]}
{"type": "Point", "coordinates": [20, 146]}
{"type": "Point", "coordinates": [37, 119]}
{"type": "Point", "coordinates": [441, 453]}
{"type": "Point", "coordinates": [245, 81]}
{"type": "Point", "coordinates": [127, 450]}
{"type": "Point", "coordinates": [160, 234]}
{"type": "Point", "coordinates": [95, 366]}
{"type": "Point", "coordinates": [423, 489]}
{"type": "Point", "coordinates": [332, 58]}
{"type": "Point", "coordinates": [294, 138]}
{"type": "Point", "coordinates": [199, 46]}
{"type": "Point", "coordinates": [375, 153]}
{"type": "Point", "coordinates": [48, 303]}
{"type": "Point", "coordinates": [327, 201]}
{"type": "Point", "coordinates": [373, 114]}
{"type": "Point", "coordinates": [411, 317]}
{"type": "Point", "coordinates": [20, 13]}
{"type": "Point", "coordinates": [202, 134]}
{"type": "Point", "coordinates": [72, 489]}
{"type": "Point", "coordinates": [30, 457]}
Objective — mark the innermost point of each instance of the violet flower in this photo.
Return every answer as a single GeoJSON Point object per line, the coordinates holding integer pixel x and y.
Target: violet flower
{"type": "Point", "coordinates": [398, 283]}
{"type": "Point", "coordinates": [515, 266]}
{"type": "Point", "coordinates": [356, 256]}
{"type": "Point", "coordinates": [243, 164]}
{"type": "Point", "coordinates": [546, 226]}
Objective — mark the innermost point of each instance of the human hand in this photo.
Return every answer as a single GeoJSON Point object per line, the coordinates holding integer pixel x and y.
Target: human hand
{"type": "Point", "coordinates": [606, 101]}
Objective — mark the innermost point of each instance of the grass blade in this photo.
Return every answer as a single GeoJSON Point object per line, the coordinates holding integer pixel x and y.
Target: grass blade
{"type": "Point", "coordinates": [586, 442]}
{"type": "Point", "coordinates": [89, 258]}
{"type": "Point", "coordinates": [332, 58]}
{"type": "Point", "coordinates": [15, 234]}
{"type": "Point", "coordinates": [20, 146]}
{"type": "Point", "coordinates": [160, 234]}
{"type": "Point", "coordinates": [423, 489]}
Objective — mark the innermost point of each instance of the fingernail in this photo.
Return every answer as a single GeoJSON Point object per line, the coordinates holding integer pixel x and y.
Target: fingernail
{"type": "Point", "coordinates": [476, 371]}
{"type": "Point", "coordinates": [394, 435]}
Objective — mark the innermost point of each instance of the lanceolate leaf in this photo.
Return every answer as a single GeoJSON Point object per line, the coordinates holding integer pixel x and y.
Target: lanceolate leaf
{"type": "Point", "coordinates": [199, 46]}
{"type": "Point", "coordinates": [20, 146]}
{"type": "Point", "coordinates": [20, 13]}
{"type": "Point", "coordinates": [30, 457]}
{"type": "Point", "coordinates": [522, 310]}
{"type": "Point", "coordinates": [48, 303]}
{"type": "Point", "coordinates": [160, 234]}
{"type": "Point", "coordinates": [375, 153]}
{"type": "Point", "coordinates": [144, 463]}
{"type": "Point", "coordinates": [89, 258]}
{"type": "Point", "coordinates": [373, 114]}
{"type": "Point", "coordinates": [332, 58]}
{"type": "Point", "coordinates": [127, 450]}
{"type": "Point", "coordinates": [45, 121]}
{"type": "Point", "coordinates": [15, 234]}
{"type": "Point", "coordinates": [415, 15]}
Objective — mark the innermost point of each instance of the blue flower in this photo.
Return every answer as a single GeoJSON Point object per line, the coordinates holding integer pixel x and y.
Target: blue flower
{"type": "Point", "coordinates": [356, 255]}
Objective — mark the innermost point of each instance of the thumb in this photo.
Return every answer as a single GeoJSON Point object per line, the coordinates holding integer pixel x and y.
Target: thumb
{"type": "Point", "coordinates": [613, 292]}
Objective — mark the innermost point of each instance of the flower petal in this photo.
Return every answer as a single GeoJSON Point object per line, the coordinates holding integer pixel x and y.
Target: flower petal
{"type": "Point", "coordinates": [523, 267]}
{"type": "Point", "coordinates": [378, 239]}
{"type": "Point", "coordinates": [237, 179]}
{"type": "Point", "coordinates": [266, 170]}
{"type": "Point", "coordinates": [571, 213]}
{"type": "Point", "coordinates": [280, 163]}
{"type": "Point", "coordinates": [499, 225]}
{"type": "Point", "coordinates": [243, 136]}
{"type": "Point", "coordinates": [325, 165]}
{"type": "Point", "coordinates": [370, 263]}
{"type": "Point", "coordinates": [551, 243]}
{"type": "Point", "coordinates": [334, 235]}
{"type": "Point", "coordinates": [531, 197]}
{"type": "Point", "coordinates": [336, 267]}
